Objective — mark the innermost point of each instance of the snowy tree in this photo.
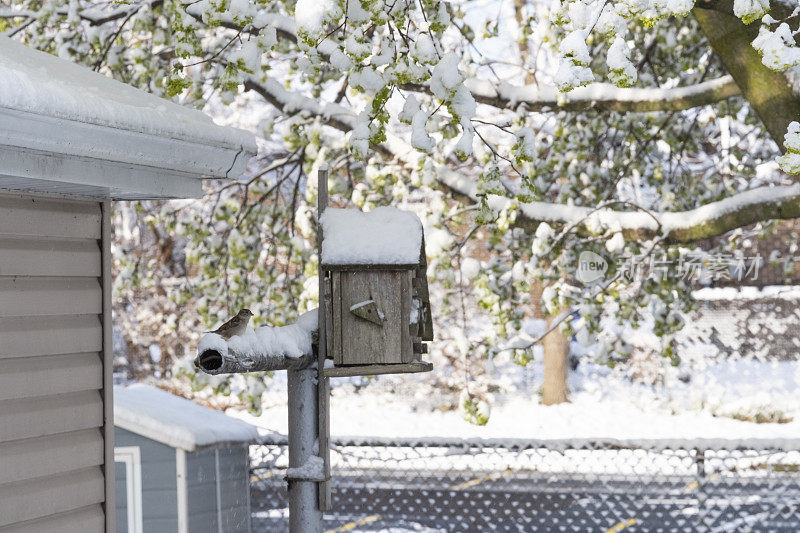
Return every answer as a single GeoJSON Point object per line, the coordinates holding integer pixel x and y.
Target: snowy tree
{"type": "Point", "coordinates": [524, 132]}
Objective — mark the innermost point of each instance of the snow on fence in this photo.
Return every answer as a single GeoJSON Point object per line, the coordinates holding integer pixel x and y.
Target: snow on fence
{"type": "Point", "coordinates": [571, 485]}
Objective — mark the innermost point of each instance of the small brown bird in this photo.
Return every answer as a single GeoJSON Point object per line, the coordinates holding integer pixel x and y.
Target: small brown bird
{"type": "Point", "coordinates": [235, 326]}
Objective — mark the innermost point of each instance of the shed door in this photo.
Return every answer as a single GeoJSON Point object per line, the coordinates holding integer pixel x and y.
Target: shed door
{"type": "Point", "coordinates": [51, 365]}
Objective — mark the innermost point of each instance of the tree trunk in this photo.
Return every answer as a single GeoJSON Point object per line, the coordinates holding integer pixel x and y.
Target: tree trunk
{"type": "Point", "coordinates": [768, 92]}
{"type": "Point", "coordinates": [524, 55]}
{"type": "Point", "coordinates": [556, 352]}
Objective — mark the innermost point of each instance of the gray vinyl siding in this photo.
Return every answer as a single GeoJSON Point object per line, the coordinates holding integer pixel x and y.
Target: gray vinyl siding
{"type": "Point", "coordinates": [51, 366]}
{"type": "Point", "coordinates": [90, 518]}
{"type": "Point", "coordinates": [201, 486]}
{"type": "Point", "coordinates": [232, 515]}
{"type": "Point", "coordinates": [234, 484]}
{"type": "Point", "coordinates": [159, 482]}
{"type": "Point", "coordinates": [121, 500]}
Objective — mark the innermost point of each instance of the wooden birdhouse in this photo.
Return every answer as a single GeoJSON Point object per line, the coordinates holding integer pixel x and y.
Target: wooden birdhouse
{"type": "Point", "coordinates": [375, 291]}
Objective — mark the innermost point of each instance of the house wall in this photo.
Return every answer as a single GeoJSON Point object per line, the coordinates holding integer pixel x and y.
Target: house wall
{"type": "Point", "coordinates": [52, 445]}
{"type": "Point", "coordinates": [159, 482]}
{"type": "Point", "coordinates": [763, 329]}
{"type": "Point", "coordinates": [777, 272]}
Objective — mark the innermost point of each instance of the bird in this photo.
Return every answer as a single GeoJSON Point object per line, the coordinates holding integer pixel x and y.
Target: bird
{"type": "Point", "coordinates": [235, 326]}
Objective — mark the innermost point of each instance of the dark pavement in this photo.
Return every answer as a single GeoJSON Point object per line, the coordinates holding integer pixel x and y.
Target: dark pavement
{"type": "Point", "coordinates": [520, 501]}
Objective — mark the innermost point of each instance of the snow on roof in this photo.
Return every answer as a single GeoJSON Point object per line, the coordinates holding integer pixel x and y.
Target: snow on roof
{"type": "Point", "coordinates": [37, 82]}
{"type": "Point", "coordinates": [383, 236]}
{"type": "Point", "coordinates": [175, 421]}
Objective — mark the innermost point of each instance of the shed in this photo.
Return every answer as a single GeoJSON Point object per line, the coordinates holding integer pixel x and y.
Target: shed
{"type": "Point", "coordinates": [179, 466]}
{"type": "Point", "coordinates": [71, 141]}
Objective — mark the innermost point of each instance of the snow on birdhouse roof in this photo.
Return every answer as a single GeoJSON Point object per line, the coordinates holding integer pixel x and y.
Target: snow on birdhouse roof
{"type": "Point", "coordinates": [175, 421]}
{"type": "Point", "coordinates": [54, 106]}
{"type": "Point", "coordinates": [385, 236]}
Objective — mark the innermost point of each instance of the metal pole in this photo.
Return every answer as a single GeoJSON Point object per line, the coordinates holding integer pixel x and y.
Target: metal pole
{"type": "Point", "coordinates": [702, 510]}
{"type": "Point", "coordinates": [304, 513]}
{"type": "Point", "coordinates": [323, 389]}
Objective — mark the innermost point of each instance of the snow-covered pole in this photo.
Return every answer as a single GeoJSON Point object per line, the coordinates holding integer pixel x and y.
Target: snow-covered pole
{"type": "Point", "coordinates": [323, 383]}
{"type": "Point", "coordinates": [290, 348]}
{"type": "Point", "coordinates": [308, 405]}
{"type": "Point", "coordinates": [305, 466]}
{"type": "Point", "coordinates": [287, 348]}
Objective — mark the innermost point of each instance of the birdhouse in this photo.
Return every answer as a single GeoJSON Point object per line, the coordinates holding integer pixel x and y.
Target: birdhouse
{"type": "Point", "coordinates": [375, 291]}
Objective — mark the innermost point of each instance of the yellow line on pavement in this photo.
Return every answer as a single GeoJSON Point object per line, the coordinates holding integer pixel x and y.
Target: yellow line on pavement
{"type": "Point", "coordinates": [693, 485]}
{"type": "Point", "coordinates": [259, 477]}
{"type": "Point", "coordinates": [352, 525]}
{"type": "Point", "coordinates": [622, 525]}
{"type": "Point", "coordinates": [479, 480]}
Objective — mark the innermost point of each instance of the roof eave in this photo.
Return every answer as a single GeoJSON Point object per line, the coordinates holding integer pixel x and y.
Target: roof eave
{"type": "Point", "coordinates": [153, 430]}
{"type": "Point", "coordinates": [40, 153]}
{"type": "Point", "coordinates": [158, 431]}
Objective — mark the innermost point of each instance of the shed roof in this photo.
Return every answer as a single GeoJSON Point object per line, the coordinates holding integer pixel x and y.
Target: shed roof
{"type": "Point", "coordinates": [57, 110]}
{"type": "Point", "coordinates": [385, 236]}
{"type": "Point", "coordinates": [174, 421]}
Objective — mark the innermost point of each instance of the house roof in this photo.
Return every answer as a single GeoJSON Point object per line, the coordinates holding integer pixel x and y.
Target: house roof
{"type": "Point", "coordinates": [175, 421]}
{"type": "Point", "coordinates": [385, 236]}
{"type": "Point", "coordinates": [63, 123]}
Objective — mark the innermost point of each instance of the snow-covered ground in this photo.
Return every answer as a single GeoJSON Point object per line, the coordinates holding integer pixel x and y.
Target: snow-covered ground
{"type": "Point", "coordinates": [604, 404]}
{"type": "Point", "coordinates": [724, 383]}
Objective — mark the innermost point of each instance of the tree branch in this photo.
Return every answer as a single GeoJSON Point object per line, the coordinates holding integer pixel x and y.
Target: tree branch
{"type": "Point", "coordinates": [710, 220]}
{"type": "Point", "coordinates": [93, 17]}
{"type": "Point", "coordinates": [505, 96]}
{"type": "Point", "coordinates": [780, 10]}
{"type": "Point", "coordinates": [597, 95]}
{"type": "Point", "coordinates": [768, 92]}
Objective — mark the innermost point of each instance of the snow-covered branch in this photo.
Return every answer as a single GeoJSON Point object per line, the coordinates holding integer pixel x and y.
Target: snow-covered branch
{"type": "Point", "coordinates": [598, 95]}
{"type": "Point", "coordinates": [273, 92]}
{"type": "Point", "coordinates": [537, 98]}
{"type": "Point", "coordinates": [768, 91]}
{"type": "Point", "coordinates": [334, 115]}
{"type": "Point", "coordinates": [285, 27]}
{"type": "Point", "coordinates": [266, 348]}
{"type": "Point", "coordinates": [7, 13]}
{"type": "Point", "coordinates": [94, 17]}
{"type": "Point", "coordinates": [710, 220]}
{"type": "Point", "coordinates": [779, 10]}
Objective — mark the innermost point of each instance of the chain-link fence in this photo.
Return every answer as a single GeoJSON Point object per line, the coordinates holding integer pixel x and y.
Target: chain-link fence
{"type": "Point", "coordinates": [566, 485]}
